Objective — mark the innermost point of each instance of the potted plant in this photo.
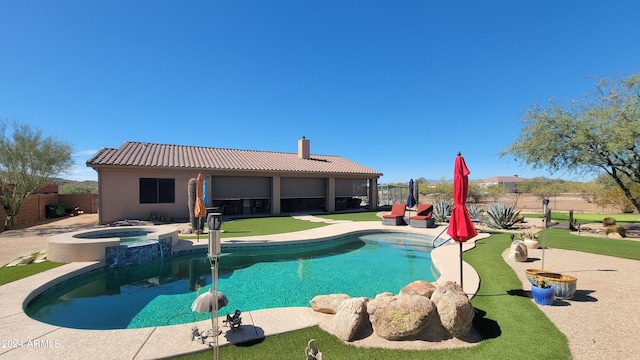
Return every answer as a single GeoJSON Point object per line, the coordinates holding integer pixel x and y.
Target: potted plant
{"type": "Point", "coordinates": [542, 291]}
{"type": "Point", "coordinates": [530, 239]}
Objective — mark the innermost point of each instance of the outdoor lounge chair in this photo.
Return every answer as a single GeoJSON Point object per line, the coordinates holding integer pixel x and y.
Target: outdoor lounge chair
{"type": "Point", "coordinates": [234, 320]}
{"type": "Point", "coordinates": [396, 217]}
{"type": "Point", "coordinates": [423, 217]}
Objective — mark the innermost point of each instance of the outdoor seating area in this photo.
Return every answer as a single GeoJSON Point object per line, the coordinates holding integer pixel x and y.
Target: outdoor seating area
{"type": "Point", "coordinates": [423, 217]}
{"type": "Point", "coordinates": [396, 217]}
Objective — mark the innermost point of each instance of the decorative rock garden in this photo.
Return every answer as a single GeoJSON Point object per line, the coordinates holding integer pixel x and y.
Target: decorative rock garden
{"type": "Point", "coordinates": [419, 307]}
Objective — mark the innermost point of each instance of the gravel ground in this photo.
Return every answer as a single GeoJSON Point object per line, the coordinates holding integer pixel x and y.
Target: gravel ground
{"type": "Point", "coordinates": [601, 321]}
{"type": "Point", "coordinates": [28, 240]}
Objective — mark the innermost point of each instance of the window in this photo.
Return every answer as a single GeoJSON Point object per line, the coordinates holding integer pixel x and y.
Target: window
{"type": "Point", "coordinates": [153, 191]}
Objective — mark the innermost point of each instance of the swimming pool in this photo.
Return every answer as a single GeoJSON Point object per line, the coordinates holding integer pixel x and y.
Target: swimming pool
{"type": "Point", "coordinates": [160, 292]}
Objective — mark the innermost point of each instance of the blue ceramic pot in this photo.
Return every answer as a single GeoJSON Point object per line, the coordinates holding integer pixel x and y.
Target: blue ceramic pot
{"type": "Point", "coordinates": [542, 296]}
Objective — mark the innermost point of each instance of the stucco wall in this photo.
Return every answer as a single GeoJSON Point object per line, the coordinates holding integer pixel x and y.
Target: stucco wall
{"type": "Point", "coordinates": [120, 190]}
{"type": "Point", "coordinates": [120, 194]}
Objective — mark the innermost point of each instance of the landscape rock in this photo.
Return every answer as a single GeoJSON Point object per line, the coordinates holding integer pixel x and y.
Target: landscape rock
{"type": "Point", "coordinates": [350, 315]}
{"type": "Point", "coordinates": [518, 251]}
{"type": "Point", "coordinates": [400, 317]}
{"type": "Point", "coordinates": [419, 287]}
{"type": "Point", "coordinates": [23, 260]}
{"type": "Point", "coordinates": [41, 257]}
{"type": "Point", "coordinates": [454, 307]}
{"type": "Point", "coordinates": [185, 230]}
{"type": "Point", "coordinates": [328, 304]}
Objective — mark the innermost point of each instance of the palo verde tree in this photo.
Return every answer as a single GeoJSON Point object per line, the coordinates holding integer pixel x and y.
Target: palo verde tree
{"type": "Point", "coordinates": [28, 161]}
{"type": "Point", "coordinates": [600, 132]}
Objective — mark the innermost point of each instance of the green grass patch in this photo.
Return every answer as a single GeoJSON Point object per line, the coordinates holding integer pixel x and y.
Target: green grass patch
{"type": "Point", "coordinates": [260, 226]}
{"type": "Point", "coordinates": [9, 274]}
{"type": "Point", "coordinates": [588, 218]}
{"type": "Point", "coordinates": [562, 239]}
{"type": "Point", "coordinates": [266, 226]}
{"type": "Point", "coordinates": [359, 216]}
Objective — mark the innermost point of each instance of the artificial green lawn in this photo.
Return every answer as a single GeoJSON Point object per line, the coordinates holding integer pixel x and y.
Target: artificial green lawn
{"type": "Point", "coordinates": [562, 239]}
{"type": "Point", "coordinates": [9, 274]}
{"type": "Point", "coordinates": [281, 225]}
{"type": "Point", "coordinates": [265, 226]}
{"type": "Point", "coordinates": [588, 218]}
{"type": "Point", "coordinates": [356, 216]}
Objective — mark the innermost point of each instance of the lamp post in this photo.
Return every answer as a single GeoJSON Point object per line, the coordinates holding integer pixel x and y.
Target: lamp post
{"type": "Point", "coordinates": [214, 220]}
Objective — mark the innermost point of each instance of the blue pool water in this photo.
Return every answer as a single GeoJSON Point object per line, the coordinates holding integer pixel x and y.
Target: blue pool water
{"type": "Point", "coordinates": [160, 292]}
{"type": "Point", "coordinates": [126, 237]}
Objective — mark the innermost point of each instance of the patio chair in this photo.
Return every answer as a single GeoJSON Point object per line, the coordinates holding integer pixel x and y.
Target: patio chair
{"type": "Point", "coordinates": [423, 217]}
{"type": "Point", "coordinates": [396, 217]}
{"type": "Point", "coordinates": [235, 320]}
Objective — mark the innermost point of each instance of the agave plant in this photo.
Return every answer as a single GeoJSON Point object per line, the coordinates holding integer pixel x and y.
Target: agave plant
{"type": "Point", "coordinates": [502, 215]}
{"type": "Point", "coordinates": [442, 209]}
{"type": "Point", "coordinates": [476, 213]}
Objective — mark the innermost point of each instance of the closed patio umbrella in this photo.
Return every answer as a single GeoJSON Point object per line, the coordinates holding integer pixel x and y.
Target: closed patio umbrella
{"type": "Point", "coordinates": [460, 228]}
{"type": "Point", "coordinates": [411, 201]}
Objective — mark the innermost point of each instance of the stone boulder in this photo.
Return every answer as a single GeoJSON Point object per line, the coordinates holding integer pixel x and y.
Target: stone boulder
{"type": "Point", "coordinates": [615, 235]}
{"type": "Point", "coordinates": [400, 317]}
{"type": "Point", "coordinates": [454, 307]}
{"type": "Point", "coordinates": [518, 251]}
{"type": "Point", "coordinates": [350, 315]}
{"type": "Point", "coordinates": [328, 304]}
{"type": "Point", "coordinates": [419, 287]}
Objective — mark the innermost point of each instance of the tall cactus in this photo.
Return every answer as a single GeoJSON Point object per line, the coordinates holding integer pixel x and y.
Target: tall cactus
{"type": "Point", "coordinates": [191, 192]}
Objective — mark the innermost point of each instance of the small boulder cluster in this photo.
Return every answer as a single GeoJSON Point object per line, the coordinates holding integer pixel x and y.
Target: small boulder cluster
{"type": "Point", "coordinates": [419, 307]}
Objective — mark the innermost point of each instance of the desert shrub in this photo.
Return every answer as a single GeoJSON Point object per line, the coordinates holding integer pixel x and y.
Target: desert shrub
{"type": "Point", "coordinates": [608, 221]}
{"type": "Point", "coordinates": [158, 217]}
{"type": "Point", "coordinates": [502, 215]}
{"type": "Point", "coordinates": [442, 209]}
{"type": "Point", "coordinates": [616, 229]}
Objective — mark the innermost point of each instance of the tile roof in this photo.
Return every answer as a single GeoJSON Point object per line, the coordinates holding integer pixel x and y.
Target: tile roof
{"type": "Point", "coordinates": [148, 155]}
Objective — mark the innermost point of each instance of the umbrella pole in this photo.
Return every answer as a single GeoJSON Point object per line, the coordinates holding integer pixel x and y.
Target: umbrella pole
{"type": "Point", "coordinates": [545, 209]}
{"type": "Point", "coordinates": [461, 266]}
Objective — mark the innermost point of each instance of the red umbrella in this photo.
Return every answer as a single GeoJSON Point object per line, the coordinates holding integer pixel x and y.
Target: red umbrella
{"type": "Point", "coordinates": [460, 228]}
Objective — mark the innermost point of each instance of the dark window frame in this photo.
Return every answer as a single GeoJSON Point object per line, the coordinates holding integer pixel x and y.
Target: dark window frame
{"type": "Point", "coordinates": [157, 191]}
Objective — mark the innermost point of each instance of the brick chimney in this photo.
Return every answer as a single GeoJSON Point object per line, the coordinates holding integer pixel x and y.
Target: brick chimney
{"type": "Point", "coordinates": [304, 148]}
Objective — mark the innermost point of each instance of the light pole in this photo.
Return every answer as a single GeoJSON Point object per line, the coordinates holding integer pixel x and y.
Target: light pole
{"type": "Point", "coordinates": [214, 220]}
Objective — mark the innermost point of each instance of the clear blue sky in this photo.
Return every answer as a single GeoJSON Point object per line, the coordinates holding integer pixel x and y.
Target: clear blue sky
{"type": "Point", "coordinates": [398, 86]}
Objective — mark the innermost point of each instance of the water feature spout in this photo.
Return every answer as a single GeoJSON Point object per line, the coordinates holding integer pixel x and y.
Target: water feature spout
{"type": "Point", "coordinates": [161, 251]}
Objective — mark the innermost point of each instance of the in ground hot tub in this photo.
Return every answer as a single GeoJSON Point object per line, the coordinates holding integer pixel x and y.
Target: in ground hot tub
{"type": "Point", "coordinates": [114, 246]}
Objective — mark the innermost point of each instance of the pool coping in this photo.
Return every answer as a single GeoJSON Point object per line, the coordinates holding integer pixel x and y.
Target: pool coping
{"type": "Point", "coordinates": [26, 338]}
{"type": "Point", "coordinates": [67, 247]}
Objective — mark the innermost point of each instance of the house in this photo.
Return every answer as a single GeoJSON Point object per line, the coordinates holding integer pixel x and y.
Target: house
{"type": "Point", "coordinates": [139, 178]}
{"type": "Point", "coordinates": [509, 182]}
